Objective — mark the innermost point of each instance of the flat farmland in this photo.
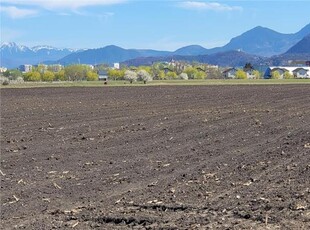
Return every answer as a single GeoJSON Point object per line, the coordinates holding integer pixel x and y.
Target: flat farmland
{"type": "Point", "coordinates": [158, 157]}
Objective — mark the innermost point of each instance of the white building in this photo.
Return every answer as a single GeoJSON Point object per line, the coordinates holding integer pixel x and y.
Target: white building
{"type": "Point", "coordinates": [116, 65]}
{"type": "Point", "coordinates": [25, 68]}
{"type": "Point", "coordinates": [297, 72]}
{"type": "Point", "coordinates": [230, 73]}
{"type": "Point", "coordinates": [3, 69]}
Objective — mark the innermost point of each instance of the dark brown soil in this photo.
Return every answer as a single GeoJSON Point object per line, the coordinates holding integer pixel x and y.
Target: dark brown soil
{"type": "Point", "coordinates": [187, 157]}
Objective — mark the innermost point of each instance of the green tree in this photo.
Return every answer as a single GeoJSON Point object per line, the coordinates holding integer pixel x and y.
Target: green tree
{"type": "Point", "coordinates": [240, 74]}
{"type": "Point", "coordinates": [200, 75]}
{"type": "Point", "coordinates": [76, 72]}
{"type": "Point", "coordinates": [157, 72]}
{"type": "Point", "coordinates": [146, 68]}
{"type": "Point", "coordinates": [275, 75]}
{"type": "Point", "coordinates": [288, 75]}
{"type": "Point", "coordinates": [60, 76]}
{"type": "Point", "coordinates": [32, 76]}
{"type": "Point", "coordinates": [191, 72]}
{"type": "Point", "coordinates": [171, 75]}
{"type": "Point", "coordinates": [257, 74]}
{"type": "Point", "coordinates": [6, 73]}
{"type": "Point", "coordinates": [91, 76]}
{"type": "Point", "coordinates": [12, 74]}
{"type": "Point", "coordinates": [48, 76]}
{"type": "Point", "coordinates": [116, 74]}
{"type": "Point", "coordinates": [161, 75]}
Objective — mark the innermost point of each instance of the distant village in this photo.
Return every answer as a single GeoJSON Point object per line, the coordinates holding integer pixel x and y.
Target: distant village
{"type": "Point", "coordinates": [167, 71]}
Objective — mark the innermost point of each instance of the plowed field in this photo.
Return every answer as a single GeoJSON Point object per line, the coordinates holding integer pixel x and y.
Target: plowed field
{"type": "Point", "coordinates": [160, 157]}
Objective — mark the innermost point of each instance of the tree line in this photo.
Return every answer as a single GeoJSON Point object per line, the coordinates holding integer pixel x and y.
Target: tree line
{"type": "Point", "coordinates": [157, 71]}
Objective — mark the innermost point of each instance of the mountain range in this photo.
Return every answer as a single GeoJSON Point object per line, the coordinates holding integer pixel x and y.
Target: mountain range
{"type": "Point", "coordinates": [261, 45]}
{"type": "Point", "coordinates": [13, 55]}
{"type": "Point", "coordinates": [302, 46]}
{"type": "Point", "coordinates": [300, 51]}
{"type": "Point", "coordinates": [264, 42]}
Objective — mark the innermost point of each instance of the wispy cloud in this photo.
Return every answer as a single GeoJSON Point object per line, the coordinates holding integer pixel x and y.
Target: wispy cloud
{"type": "Point", "coordinates": [16, 13]}
{"type": "Point", "coordinates": [213, 6]}
{"type": "Point", "coordinates": [63, 4]}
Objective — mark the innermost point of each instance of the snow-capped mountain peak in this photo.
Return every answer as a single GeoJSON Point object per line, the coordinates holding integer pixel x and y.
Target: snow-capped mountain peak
{"type": "Point", "coordinates": [15, 55]}
{"type": "Point", "coordinates": [13, 47]}
{"type": "Point", "coordinates": [8, 44]}
{"type": "Point", "coordinates": [37, 48]}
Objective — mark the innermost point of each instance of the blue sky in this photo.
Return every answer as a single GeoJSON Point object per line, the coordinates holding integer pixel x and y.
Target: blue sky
{"type": "Point", "coordinates": [150, 24]}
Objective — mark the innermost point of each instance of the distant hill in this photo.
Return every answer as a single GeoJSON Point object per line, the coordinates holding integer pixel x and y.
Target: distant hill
{"type": "Point", "coordinates": [108, 54]}
{"type": "Point", "coordinates": [228, 58]}
{"type": "Point", "coordinates": [259, 41]}
{"type": "Point", "coordinates": [263, 41]}
{"type": "Point", "coordinates": [231, 58]}
{"type": "Point", "coordinates": [191, 50]}
{"type": "Point", "coordinates": [13, 55]}
{"type": "Point", "coordinates": [254, 44]}
{"type": "Point", "coordinates": [305, 31]}
{"type": "Point", "coordinates": [299, 52]}
{"type": "Point", "coordinates": [302, 47]}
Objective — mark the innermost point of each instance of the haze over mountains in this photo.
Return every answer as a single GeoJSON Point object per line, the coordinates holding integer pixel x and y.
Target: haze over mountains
{"type": "Point", "coordinates": [257, 45]}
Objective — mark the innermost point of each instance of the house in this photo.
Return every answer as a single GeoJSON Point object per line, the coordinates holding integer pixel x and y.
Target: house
{"type": "Point", "coordinates": [280, 70]}
{"type": "Point", "coordinates": [103, 75]}
{"type": "Point", "coordinates": [297, 72]}
{"type": "Point", "coordinates": [301, 73]}
{"type": "Point", "coordinates": [230, 73]}
{"type": "Point", "coordinates": [25, 68]}
{"type": "Point", "coordinates": [250, 74]}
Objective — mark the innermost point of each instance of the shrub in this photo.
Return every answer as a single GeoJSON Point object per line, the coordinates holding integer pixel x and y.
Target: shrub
{"type": "Point", "coordinates": [240, 74]}
{"type": "Point", "coordinates": [20, 80]}
{"type": "Point", "coordinates": [4, 81]}
{"type": "Point", "coordinates": [183, 76]}
{"type": "Point", "coordinates": [288, 75]}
